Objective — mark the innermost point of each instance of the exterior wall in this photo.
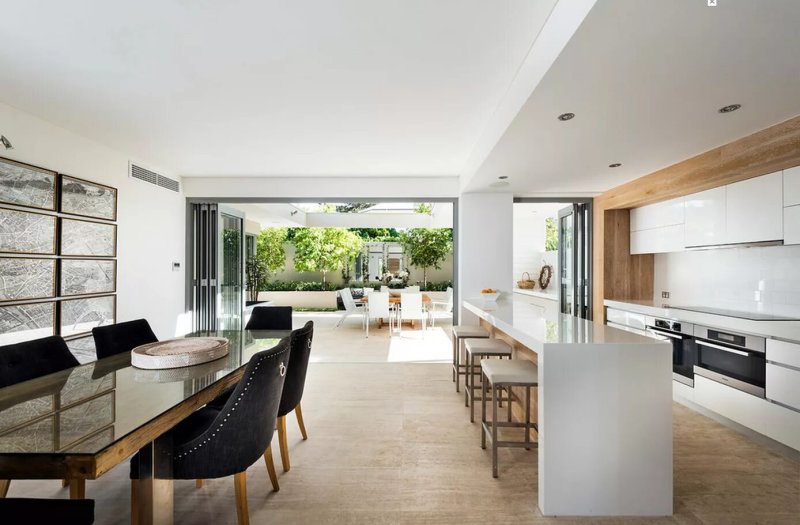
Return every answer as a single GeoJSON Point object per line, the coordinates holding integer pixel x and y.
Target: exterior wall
{"type": "Point", "coordinates": [150, 219]}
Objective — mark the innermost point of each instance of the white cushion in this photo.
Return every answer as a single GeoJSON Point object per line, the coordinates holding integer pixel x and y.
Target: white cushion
{"type": "Point", "coordinates": [510, 371]}
{"type": "Point", "coordinates": [470, 331]}
{"type": "Point", "coordinates": [487, 347]}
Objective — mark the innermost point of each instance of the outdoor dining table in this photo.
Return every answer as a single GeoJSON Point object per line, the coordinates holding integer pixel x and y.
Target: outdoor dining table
{"type": "Point", "coordinates": [80, 423]}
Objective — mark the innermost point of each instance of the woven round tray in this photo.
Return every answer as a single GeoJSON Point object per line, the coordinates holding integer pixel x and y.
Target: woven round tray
{"type": "Point", "coordinates": [176, 353]}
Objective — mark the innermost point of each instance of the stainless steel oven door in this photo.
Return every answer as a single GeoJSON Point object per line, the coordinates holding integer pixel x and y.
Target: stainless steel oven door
{"type": "Point", "coordinates": [738, 368]}
{"type": "Point", "coordinates": [683, 354]}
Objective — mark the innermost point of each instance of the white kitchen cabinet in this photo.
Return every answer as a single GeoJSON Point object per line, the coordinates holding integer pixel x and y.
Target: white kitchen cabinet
{"type": "Point", "coordinates": [658, 240]}
{"type": "Point", "coordinates": [791, 225]}
{"type": "Point", "coordinates": [791, 186]}
{"type": "Point", "coordinates": [754, 209]}
{"type": "Point", "coordinates": [667, 213]}
{"type": "Point", "coordinates": [706, 218]}
{"type": "Point", "coordinates": [783, 352]}
{"type": "Point", "coordinates": [783, 385]}
{"type": "Point", "coordinates": [775, 421]}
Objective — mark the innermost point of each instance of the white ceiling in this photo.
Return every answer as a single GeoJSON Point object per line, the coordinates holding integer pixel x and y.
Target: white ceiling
{"type": "Point", "coordinates": [255, 87]}
{"type": "Point", "coordinates": [645, 79]}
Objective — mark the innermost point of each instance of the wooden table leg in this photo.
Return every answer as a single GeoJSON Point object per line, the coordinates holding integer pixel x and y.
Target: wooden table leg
{"type": "Point", "coordinates": [154, 491]}
{"type": "Point", "coordinates": [77, 489]}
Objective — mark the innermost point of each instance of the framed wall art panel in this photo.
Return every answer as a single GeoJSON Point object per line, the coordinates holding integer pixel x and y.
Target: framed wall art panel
{"type": "Point", "coordinates": [27, 232]}
{"type": "Point", "coordinates": [81, 238]}
{"type": "Point", "coordinates": [25, 185]}
{"type": "Point", "coordinates": [87, 276]}
{"type": "Point", "coordinates": [26, 278]}
{"type": "Point", "coordinates": [23, 322]}
{"type": "Point", "coordinates": [88, 199]}
{"type": "Point", "coordinates": [79, 316]}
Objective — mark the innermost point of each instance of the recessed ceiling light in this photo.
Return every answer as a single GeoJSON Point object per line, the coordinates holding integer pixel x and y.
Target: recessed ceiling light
{"type": "Point", "coordinates": [503, 177]}
{"type": "Point", "coordinates": [615, 165]}
{"type": "Point", "coordinates": [566, 116]}
{"type": "Point", "coordinates": [729, 109]}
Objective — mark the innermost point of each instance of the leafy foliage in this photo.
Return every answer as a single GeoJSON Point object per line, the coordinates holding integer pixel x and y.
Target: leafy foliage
{"type": "Point", "coordinates": [324, 249]}
{"type": "Point", "coordinates": [427, 247]}
{"type": "Point", "coordinates": [270, 248]}
{"type": "Point", "coordinates": [297, 286]}
{"type": "Point", "coordinates": [354, 207]}
{"type": "Point", "coordinates": [425, 208]}
{"type": "Point", "coordinates": [372, 234]}
{"type": "Point", "coordinates": [550, 234]}
{"type": "Point", "coordinates": [256, 273]}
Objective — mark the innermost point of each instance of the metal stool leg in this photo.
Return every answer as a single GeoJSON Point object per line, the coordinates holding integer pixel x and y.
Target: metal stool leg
{"type": "Point", "coordinates": [528, 417]}
{"type": "Point", "coordinates": [458, 362]}
{"type": "Point", "coordinates": [468, 382]}
{"type": "Point", "coordinates": [483, 410]}
{"type": "Point", "coordinates": [454, 357]}
{"type": "Point", "coordinates": [494, 430]}
{"type": "Point", "coordinates": [508, 397]}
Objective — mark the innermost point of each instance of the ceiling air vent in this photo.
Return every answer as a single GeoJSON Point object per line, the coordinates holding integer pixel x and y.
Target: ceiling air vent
{"type": "Point", "coordinates": [138, 172]}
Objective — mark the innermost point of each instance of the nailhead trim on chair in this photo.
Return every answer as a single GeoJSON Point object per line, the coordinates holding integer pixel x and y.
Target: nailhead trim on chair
{"type": "Point", "coordinates": [247, 385]}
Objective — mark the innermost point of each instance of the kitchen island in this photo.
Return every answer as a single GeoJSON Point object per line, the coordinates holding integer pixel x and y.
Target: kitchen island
{"type": "Point", "coordinates": [604, 410]}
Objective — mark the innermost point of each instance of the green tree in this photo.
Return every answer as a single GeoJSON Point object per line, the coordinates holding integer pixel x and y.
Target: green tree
{"type": "Point", "coordinates": [270, 248]}
{"type": "Point", "coordinates": [354, 207]}
{"type": "Point", "coordinates": [324, 249]}
{"type": "Point", "coordinates": [427, 247]}
{"type": "Point", "coordinates": [425, 208]}
{"type": "Point", "coordinates": [256, 273]}
{"type": "Point", "coordinates": [550, 235]}
{"type": "Point", "coordinates": [369, 234]}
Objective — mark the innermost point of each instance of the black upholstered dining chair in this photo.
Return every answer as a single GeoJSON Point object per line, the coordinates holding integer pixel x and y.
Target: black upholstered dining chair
{"type": "Point", "coordinates": [39, 510]}
{"type": "Point", "coordinates": [270, 318]}
{"type": "Point", "coordinates": [293, 387]}
{"type": "Point", "coordinates": [218, 442]}
{"type": "Point", "coordinates": [31, 359]}
{"type": "Point", "coordinates": [122, 337]}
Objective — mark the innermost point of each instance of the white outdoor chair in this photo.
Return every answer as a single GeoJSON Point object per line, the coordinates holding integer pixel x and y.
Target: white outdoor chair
{"type": "Point", "coordinates": [368, 291]}
{"type": "Point", "coordinates": [378, 307]}
{"type": "Point", "coordinates": [411, 309]}
{"type": "Point", "coordinates": [445, 306]}
{"type": "Point", "coordinates": [411, 289]}
{"type": "Point", "coordinates": [350, 307]}
{"type": "Point", "coordinates": [384, 289]}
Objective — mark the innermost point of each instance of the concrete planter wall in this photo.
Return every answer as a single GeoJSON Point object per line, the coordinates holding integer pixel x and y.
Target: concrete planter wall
{"type": "Point", "coordinates": [300, 299]}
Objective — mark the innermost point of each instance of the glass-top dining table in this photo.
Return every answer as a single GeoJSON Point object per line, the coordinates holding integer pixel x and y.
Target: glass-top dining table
{"type": "Point", "coordinates": [80, 423]}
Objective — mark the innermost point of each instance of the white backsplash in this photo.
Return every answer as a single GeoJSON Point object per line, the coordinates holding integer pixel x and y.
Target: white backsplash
{"type": "Point", "coordinates": [759, 279]}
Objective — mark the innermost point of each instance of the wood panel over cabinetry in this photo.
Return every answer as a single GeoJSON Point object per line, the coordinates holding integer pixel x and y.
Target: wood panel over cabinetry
{"type": "Point", "coordinates": [620, 275]}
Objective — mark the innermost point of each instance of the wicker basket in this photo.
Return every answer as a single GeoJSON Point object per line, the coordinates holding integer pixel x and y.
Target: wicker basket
{"type": "Point", "coordinates": [526, 284]}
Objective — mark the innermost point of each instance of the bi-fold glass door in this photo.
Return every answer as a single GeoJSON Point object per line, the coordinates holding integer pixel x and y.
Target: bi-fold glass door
{"type": "Point", "coordinates": [217, 268]}
{"type": "Point", "coordinates": [575, 259]}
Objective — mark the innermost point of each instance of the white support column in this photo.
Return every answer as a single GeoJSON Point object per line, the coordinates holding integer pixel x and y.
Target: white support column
{"type": "Point", "coordinates": [485, 259]}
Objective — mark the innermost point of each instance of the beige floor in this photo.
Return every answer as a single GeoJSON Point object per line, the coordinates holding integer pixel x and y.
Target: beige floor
{"type": "Point", "coordinates": [390, 442]}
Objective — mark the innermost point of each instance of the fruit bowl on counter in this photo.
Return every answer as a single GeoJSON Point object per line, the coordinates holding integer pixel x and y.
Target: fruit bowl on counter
{"type": "Point", "coordinates": [490, 294]}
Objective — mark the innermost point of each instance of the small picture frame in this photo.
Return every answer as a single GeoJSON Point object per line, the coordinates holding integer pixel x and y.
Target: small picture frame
{"type": "Point", "coordinates": [79, 316]}
{"type": "Point", "coordinates": [87, 199]}
{"type": "Point", "coordinates": [26, 278]}
{"type": "Point", "coordinates": [81, 238]}
{"type": "Point", "coordinates": [87, 277]}
{"type": "Point", "coordinates": [26, 185]}
{"type": "Point", "coordinates": [26, 232]}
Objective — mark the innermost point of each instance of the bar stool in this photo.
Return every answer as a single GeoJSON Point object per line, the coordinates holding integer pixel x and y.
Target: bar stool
{"type": "Point", "coordinates": [461, 332]}
{"type": "Point", "coordinates": [481, 348]}
{"type": "Point", "coordinates": [497, 374]}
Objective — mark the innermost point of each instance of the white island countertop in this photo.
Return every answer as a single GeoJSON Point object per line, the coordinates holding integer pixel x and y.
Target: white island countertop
{"type": "Point", "coordinates": [519, 318]}
{"type": "Point", "coordinates": [604, 410]}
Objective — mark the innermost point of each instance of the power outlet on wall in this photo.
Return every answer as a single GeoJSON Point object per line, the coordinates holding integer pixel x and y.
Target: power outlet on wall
{"type": "Point", "coordinates": [665, 295]}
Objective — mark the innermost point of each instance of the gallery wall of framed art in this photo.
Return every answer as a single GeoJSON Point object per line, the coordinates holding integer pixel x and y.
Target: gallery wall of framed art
{"type": "Point", "coordinates": [58, 249]}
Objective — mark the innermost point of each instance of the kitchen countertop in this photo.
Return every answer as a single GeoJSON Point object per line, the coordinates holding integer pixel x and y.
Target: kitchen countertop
{"type": "Point", "coordinates": [785, 330]}
{"type": "Point", "coordinates": [537, 293]}
{"type": "Point", "coordinates": [518, 318]}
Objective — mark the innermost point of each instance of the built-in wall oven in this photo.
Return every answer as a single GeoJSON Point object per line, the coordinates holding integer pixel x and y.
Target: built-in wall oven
{"type": "Point", "coordinates": [684, 351]}
{"type": "Point", "coordinates": [733, 359]}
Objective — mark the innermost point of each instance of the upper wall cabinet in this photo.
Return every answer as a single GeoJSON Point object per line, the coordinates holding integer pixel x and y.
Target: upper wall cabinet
{"type": "Point", "coordinates": [754, 209]}
{"type": "Point", "coordinates": [791, 186]}
{"type": "Point", "coordinates": [706, 218]}
{"type": "Point", "coordinates": [657, 228]}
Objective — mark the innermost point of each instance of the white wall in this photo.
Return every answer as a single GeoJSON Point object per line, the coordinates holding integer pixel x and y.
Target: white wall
{"type": "Point", "coordinates": [150, 219]}
{"type": "Point", "coordinates": [486, 224]}
{"type": "Point", "coordinates": [764, 279]}
{"type": "Point", "coordinates": [321, 187]}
